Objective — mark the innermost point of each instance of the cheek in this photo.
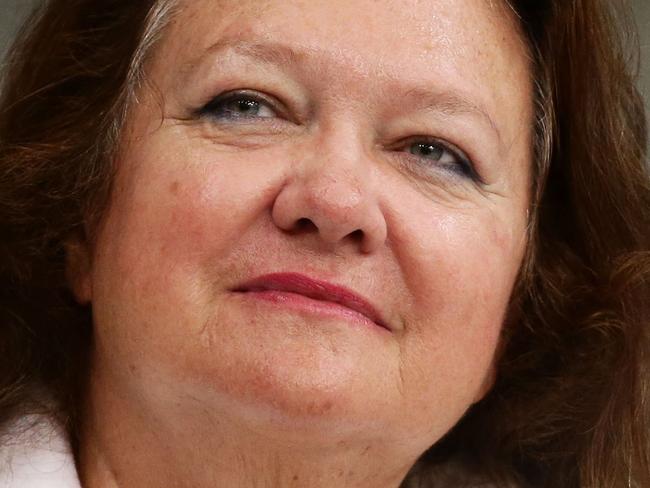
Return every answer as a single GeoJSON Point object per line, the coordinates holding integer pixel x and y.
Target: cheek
{"type": "Point", "coordinates": [180, 212]}
{"type": "Point", "coordinates": [460, 272]}
{"type": "Point", "coordinates": [170, 224]}
{"type": "Point", "coordinates": [461, 261]}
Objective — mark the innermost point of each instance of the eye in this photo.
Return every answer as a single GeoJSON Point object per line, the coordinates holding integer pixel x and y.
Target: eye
{"type": "Point", "coordinates": [240, 105]}
{"type": "Point", "coordinates": [441, 155]}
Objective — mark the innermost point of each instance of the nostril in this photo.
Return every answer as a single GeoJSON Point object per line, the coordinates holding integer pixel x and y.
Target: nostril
{"type": "Point", "coordinates": [304, 225]}
{"type": "Point", "coordinates": [357, 235]}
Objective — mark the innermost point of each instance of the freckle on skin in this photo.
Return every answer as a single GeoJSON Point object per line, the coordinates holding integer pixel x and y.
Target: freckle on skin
{"type": "Point", "coordinates": [173, 188]}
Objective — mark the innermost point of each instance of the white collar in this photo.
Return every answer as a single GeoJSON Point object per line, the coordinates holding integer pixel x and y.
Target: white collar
{"type": "Point", "coordinates": [34, 453]}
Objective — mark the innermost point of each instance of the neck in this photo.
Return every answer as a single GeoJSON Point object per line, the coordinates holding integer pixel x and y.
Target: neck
{"type": "Point", "coordinates": [130, 443]}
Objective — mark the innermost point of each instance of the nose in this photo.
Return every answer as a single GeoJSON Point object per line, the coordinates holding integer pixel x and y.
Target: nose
{"type": "Point", "coordinates": [332, 195]}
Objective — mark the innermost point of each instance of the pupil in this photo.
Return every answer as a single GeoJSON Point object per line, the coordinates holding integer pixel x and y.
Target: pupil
{"type": "Point", "coordinates": [246, 106]}
{"type": "Point", "coordinates": [427, 150]}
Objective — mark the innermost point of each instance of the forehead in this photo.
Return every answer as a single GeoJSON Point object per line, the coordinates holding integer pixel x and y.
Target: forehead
{"type": "Point", "coordinates": [472, 47]}
{"type": "Point", "coordinates": [398, 29]}
{"type": "Point", "coordinates": [378, 22]}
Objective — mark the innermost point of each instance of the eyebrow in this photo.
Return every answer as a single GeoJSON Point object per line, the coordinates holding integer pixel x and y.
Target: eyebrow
{"type": "Point", "coordinates": [446, 102]}
{"type": "Point", "coordinates": [449, 103]}
{"type": "Point", "coordinates": [268, 53]}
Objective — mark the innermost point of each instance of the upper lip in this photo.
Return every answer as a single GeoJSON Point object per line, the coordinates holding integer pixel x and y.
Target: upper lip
{"type": "Point", "coordinates": [315, 289]}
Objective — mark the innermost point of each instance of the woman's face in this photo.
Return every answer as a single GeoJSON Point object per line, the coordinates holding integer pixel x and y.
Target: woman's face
{"type": "Point", "coordinates": [318, 217]}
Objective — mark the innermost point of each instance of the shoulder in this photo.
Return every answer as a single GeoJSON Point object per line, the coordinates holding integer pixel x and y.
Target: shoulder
{"type": "Point", "coordinates": [34, 453]}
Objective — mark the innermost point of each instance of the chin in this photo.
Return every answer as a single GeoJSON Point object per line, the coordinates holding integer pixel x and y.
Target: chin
{"type": "Point", "coordinates": [294, 387]}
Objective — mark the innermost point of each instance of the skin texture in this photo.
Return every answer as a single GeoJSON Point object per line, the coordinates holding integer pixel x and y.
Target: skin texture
{"type": "Point", "coordinates": [194, 385]}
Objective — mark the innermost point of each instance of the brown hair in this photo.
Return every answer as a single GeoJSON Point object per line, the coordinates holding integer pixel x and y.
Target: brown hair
{"type": "Point", "coordinates": [569, 407]}
{"type": "Point", "coordinates": [69, 79]}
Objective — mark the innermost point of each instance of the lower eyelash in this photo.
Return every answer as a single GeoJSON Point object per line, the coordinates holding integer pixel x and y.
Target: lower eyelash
{"type": "Point", "coordinates": [463, 168]}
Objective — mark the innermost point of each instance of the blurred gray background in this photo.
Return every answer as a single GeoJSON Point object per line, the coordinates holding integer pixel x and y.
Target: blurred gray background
{"type": "Point", "coordinates": [13, 11]}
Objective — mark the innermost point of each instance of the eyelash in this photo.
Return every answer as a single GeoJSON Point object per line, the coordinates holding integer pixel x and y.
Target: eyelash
{"type": "Point", "coordinates": [217, 110]}
{"type": "Point", "coordinates": [211, 109]}
{"type": "Point", "coordinates": [461, 165]}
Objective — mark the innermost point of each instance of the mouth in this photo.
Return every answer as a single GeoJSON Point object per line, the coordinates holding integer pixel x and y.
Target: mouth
{"type": "Point", "coordinates": [320, 296]}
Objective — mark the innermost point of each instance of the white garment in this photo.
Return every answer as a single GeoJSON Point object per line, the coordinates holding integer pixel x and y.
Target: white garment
{"type": "Point", "coordinates": [34, 453]}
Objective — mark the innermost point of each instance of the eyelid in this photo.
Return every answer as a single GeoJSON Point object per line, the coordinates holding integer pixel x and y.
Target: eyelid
{"type": "Point", "coordinates": [453, 149]}
{"type": "Point", "coordinates": [273, 102]}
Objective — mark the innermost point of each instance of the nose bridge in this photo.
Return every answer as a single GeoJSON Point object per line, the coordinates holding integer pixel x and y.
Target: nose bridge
{"type": "Point", "coordinates": [332, 188]}
{"type": "Point", "coordinates": [336, 176]}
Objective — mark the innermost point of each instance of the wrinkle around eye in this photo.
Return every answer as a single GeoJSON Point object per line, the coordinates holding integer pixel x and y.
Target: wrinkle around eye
{"type": "Point", "coordinates": [273, 132]}
{"type": "Point", "coordinates": [235, 135]}
{"type": "Point", "coordinates": [441, 189]}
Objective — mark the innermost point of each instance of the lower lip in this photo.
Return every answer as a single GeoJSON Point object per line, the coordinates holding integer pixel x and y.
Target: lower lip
{"type": "Point", "coordinates": [311, 306]}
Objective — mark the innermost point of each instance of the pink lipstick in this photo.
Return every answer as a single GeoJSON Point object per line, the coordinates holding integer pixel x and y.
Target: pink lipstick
{"type": "Point", "coordinates": [300, 291]}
